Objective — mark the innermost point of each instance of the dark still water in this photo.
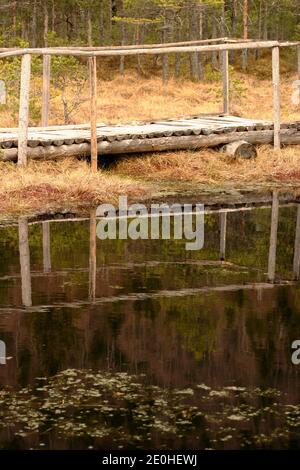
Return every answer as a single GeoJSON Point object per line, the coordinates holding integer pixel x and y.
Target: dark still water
{"type": "Point", "coordinates": [142, 344]}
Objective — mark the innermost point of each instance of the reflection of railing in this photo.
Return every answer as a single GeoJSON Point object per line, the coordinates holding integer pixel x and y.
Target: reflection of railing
{"type": "Point", "coordinates": [2, 352]}
{"type": "Point", "coordinates": [25, 253]}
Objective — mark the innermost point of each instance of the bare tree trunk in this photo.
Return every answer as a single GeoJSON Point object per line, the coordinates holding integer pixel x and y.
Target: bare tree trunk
{"type": "Point", "coordinates": [178, 57]}
{"type": "Point", "coordinates": [194, 35]}
{"type": "Point", "coordinates": [46, 24]}
{"type": "Point", "coordinates": [53, 16]}
{"type": "Point", "coordinates": [165, 58]}
{"type": "Point", "coordinates": [34, 25]}
{"type": "Point", "coordinates": [266, 12]}
{"type": "Point", "coordinates": [89, 28]}
{"type": "Point", "coordinates": [245, 34]}
{"type": "Point", "coordinates": [215, 63]}
{"type": "Point", "coordinates": [109, 21]}
{"type": "Point", "coordinates": [123, 42]}
{"type": "Point", "coordinates": [260, 19]}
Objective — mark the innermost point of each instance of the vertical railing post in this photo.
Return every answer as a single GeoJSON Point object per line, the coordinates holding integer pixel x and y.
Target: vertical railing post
{"type": "Point", "coordinates": [225, 72]}
{"type": "Point", "coordinates": [223, 231]}
{"type": "Point", "coordinates": [46, 90]}
{"type": "Point", "coordinates": [93, 105]}
{"type": "Point", "coordinates": [296, 264]}
{"type": "Point", "coordinates": [276, 95]}
{"type": "Point", "coordinates": [273, 237]}
{"type": "Point", "coordinates": [24, 109]}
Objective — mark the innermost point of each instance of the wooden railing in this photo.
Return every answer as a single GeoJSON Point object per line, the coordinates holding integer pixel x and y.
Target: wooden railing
{"type": "Point", "coordinates": [210, 45]}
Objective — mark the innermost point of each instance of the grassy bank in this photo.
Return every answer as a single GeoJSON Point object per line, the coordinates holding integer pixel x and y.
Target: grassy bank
{"type": "Point", "coordinates": [65, 185]}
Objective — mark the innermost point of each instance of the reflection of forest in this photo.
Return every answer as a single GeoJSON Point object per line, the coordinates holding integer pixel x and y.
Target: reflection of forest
{"type": "Point", "coordinates": [220, 338]}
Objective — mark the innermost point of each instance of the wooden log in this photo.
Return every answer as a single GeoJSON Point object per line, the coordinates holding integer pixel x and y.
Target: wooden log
{"type": "Point", "coordinates": [225, 71]}
{"type": "Point", "coordinates": [152, 51]}
{"type": "Point", "coordinates": [46, 90]}
{"type": "Point", "coordinates": [93, 106]}
{"type": "Point", "coordinates": [276, 95]}
{"type": "Point", "coordinates": [298, 68]}
{"type": "Point", "coordinates": [288, 137]}
{"type": "Point", "coordinates": [240, 149]}
{"type": "Point", "coordinates": [24, 109]}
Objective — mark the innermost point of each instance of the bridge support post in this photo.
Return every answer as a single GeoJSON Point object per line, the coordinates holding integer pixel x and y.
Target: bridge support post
{"type": "Point", "coordinates": [276, 95]}
{"type": "Point", "coordinates": [93, 105]}
{"type": "Point", "coordinates": [24, 109]}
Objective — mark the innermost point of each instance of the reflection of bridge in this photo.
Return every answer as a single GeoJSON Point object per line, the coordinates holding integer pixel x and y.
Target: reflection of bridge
{"type": "Point", "coordinates": [26, 274]}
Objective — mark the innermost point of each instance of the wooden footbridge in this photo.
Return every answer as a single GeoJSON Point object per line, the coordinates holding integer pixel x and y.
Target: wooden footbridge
{"type": "Point", "coordinates": [185, 133]}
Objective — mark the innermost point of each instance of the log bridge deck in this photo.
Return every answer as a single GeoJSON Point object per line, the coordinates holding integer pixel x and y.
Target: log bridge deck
{"type": "Point", "coordinates": [172, 134]}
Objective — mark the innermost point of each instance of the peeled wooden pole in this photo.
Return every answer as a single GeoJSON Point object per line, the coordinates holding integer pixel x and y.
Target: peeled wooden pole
{"type": "Point", "coordinates": [93, 104]}
{"type": "Point", "coordinates": [24, 109]}
{"type": "Point", "coordinates": [46, 90]}
{"type": "Point", "coordinates": [273, 237]}
{"type": "Point", "coordinates": [276, 95]}
{"type": "Point", "coordinates": [225, 68]}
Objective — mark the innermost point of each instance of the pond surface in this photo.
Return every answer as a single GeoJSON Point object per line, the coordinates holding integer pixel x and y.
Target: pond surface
{"type": "Point", "coordinates": [160, 347]}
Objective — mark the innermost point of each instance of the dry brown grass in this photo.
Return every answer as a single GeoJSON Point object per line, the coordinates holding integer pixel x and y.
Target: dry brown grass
{"type": "Point", "coordinates": [63, 185]}
{"type": "Point", "coordinates": [130, 97]}
{"type": "Point", "coordinates": [213, 168]}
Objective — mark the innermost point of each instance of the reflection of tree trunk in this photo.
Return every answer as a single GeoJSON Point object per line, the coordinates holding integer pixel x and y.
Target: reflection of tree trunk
{"type": "Point", "coordinates": [296, 266]}
{"type": "Point", "coordinates": [25, 262]}
{"type": "Point", "coordinates": [46, 247]}
{"type": "Point", "coordinates": [93, 255]}
{"type": "Point", "coordinates": [273, 237]}
{"type": "Point", "coordinates": [223, 230]}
